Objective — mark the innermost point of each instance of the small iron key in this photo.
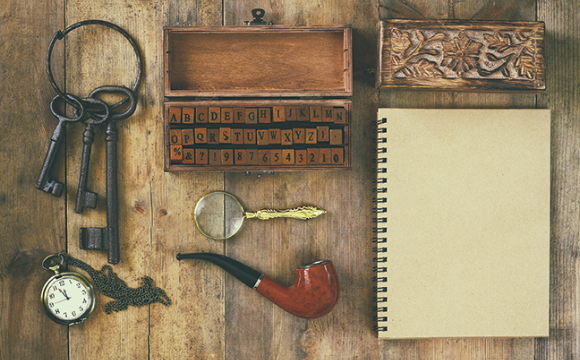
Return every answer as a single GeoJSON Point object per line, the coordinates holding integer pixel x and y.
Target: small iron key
{"type": "Point", "coordinates": [45, 183]}
{"type": "Point", "coordinates": [108, 238]}
{"type": "Point", "coordinates": [86, 198]}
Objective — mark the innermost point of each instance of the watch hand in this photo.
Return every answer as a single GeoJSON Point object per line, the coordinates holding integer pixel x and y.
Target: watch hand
{"type": "Point", "coordinates": [61, 301]}
{"type": "Point", "coordinates": [64, 293]}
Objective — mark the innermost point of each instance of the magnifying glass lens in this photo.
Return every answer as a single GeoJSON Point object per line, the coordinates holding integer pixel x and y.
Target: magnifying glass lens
{"type": "Point", "coordinates": [219, 215]}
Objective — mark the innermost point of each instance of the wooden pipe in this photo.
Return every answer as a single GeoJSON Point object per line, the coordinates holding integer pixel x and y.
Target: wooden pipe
{"type": "Point", "coordinates": [314, 293]}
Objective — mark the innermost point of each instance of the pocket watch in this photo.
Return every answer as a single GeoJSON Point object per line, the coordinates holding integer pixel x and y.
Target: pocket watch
{"type": "Point", "coordinates": [68, 297]}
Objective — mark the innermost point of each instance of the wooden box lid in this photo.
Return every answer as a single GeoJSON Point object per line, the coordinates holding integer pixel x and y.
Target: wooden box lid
{"type": "Point", "coordinates": [258, 61]}
{"type": "Point", "coordinates": [460, 55]}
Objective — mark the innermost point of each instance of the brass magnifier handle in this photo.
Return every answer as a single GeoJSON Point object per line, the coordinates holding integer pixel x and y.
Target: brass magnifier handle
{"type": "Point", "coordinates": [300, 213]}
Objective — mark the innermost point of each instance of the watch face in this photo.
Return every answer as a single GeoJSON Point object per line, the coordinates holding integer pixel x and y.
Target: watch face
{"type": "Point", "coordinates": [68, 298]}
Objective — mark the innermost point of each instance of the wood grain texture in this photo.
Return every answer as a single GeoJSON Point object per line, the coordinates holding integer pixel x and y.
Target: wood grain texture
{"type": "Point", "coordinates": [212, 314]}
{"type": "Point", "coordinates": [562, 98]}
{"type": "Point", "coordinates": [27, 234]}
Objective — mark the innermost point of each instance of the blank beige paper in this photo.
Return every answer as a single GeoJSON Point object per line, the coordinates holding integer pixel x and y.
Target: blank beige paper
{"type": "Point", "coordinates": [468, 223]}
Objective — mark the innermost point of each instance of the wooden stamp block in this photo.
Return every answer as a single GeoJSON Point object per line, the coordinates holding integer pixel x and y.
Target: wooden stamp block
{"type": "Point", "coordinates": [288, 156]}
{"type": "Point", "coordinates": [201, 156]}
{"type": "Point", "coordinates": [264, 157]}
{"type": "Point", "coordinates": [175, 137]}
{"type": "Point", "coordinates": [252, 157]}
{"type": "Point", "coordinates": [337, 155]}
{"type": "Point", "coordinates": [275, 136]}
{"type": "Point", "coordinates": [339, 116]}
{"type": "Point", "coordinates": [298, 135]}
{"type": "Point", "coordinates": [301, 157]}
{"type": "Point", "coordinates": [188, 156]}
{"type": "Point", "coordinates": [311, 136]}
{"type": "Point", "coordinates": [316, 114]}
{"type": "Point", "coordinates": [176, 153]}
{"type": "Point", "coordinates": [227, 157]}
{"type": "Point", "coordinates": [458, 55]}
{"type": "Point", "coordinates": [240, 157]}
{"type": "Point", "coordinates": [215, 157]}
{"type": "Point", "coordinates": [251, 116]}
{"type": "Point", "coordinates": [324, 156]}
{"type": "Point", "coordinates": [323, 133]}
{"type": "Point", "coordinates": [264, 115]}
{"type": "Point", "coordinates": [239, 115]}
{"type": "Point", "coordinates": [188, 116]}
{"type": "Point", "coordinates": [262, 137]}
{"type": "Point", "coordinates": [214, 115]}
{"type": "Point", "coordinates": [312, 156]}
{"type": "Point", "coordinates": [303, 113]}
{"type": "Point", "coordinates": [249, 136]}
{"type": "Point", "coordinates": [237, 136]}
{"type": "Point", "coordinates": [225, 135]}
{"type": "Point", "coordinates": [187, 137]}
{"type": "Point", "coordinates": [335, 137]}
{"type": "Point", "coordinates": [201, 135]}
{"type": "Point", "coordinates": [213, 136]}
{"type": "Point", "coordinates": [291, 113]}
{"type": "Point", "coordinates": [278, 114]}
{"type": "Point", "coordinates": [286, 137]}
{"type": "Point", "coordinates": [276, 157]}
{"type": "Point", "coordinates": [201, 115]}
{"type": "Point", "coordinates": [227, 115]}
{"type": "Point", "coordinates": [327, 114]}
{"type": "Point", "coordinates": [175, 115]}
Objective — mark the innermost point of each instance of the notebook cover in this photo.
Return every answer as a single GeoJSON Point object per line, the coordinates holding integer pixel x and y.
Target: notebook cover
{"type": "Point", "coordinates": [467, 223]}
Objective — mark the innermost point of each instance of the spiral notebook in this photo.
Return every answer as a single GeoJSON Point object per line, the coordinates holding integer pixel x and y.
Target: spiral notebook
{"type": "Point", "coordinates": [462, 223]}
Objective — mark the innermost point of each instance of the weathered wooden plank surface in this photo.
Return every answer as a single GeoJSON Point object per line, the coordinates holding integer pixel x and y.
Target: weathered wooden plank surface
{"type": "Point", "coordinates": [213, 315]}
{"type": "Point", "coordinates": [27, 235]}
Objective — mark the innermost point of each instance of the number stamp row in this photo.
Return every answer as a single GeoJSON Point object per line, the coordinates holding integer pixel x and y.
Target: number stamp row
{"type": "Point", "coordinates": [310, 156]}
{"type": "Point", "coordinates": [256, 115]}
{"type": "Point", "coordinates": [260, 137]}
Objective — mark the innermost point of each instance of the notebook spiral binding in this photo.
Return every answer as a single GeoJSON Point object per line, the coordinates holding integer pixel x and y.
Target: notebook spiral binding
{"type": "Point", "coordinates": [380, 229]}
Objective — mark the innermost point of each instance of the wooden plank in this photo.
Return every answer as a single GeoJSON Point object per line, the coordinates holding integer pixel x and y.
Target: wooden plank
{"type": "Point", "coordinates": [342, 235]}
{"type": "Point", "coordinates": [193, 326]}
{"type": "Point", "coordinates": [32, 221]}
{"type": "Point", "coordinates": [154, 209]}
{"type": "Point", "coordinates": [562, 99]}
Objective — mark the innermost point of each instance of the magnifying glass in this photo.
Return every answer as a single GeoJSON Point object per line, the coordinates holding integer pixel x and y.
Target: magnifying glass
{"type": "Point", "coordinates": [219, 215]}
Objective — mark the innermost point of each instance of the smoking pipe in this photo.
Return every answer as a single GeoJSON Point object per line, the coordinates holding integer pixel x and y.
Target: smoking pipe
{"type": "Point", "coordinates": [314, 292]}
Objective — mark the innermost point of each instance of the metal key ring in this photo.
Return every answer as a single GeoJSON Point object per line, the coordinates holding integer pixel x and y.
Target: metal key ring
{"type": "Point", "coordinates": [75, 100]}
{"type": "Point", "coordinates": [50, 257]}
{"type": "Point", "coordinates": [112, 89]}
{"type": "Point", "coordinates": [95, 118]}
{"type": "Point", "coordinates": [59, 35]}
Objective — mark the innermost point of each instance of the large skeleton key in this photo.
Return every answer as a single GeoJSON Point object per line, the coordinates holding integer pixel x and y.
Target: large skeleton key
{"type": "Point", "coordinates": [44, 183]}
{"type": "Point", "coordinates": [108, 238]}
{"type": "Point", "coordinates": [86, 198]}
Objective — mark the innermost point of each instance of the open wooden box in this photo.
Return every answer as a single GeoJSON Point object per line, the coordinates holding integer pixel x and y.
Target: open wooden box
{"type": "Point", "coordinates": [288, 81]}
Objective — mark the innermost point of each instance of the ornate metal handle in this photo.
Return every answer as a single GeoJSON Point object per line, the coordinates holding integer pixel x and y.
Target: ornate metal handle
{"type": "Point", "coordinates": [300, 213]}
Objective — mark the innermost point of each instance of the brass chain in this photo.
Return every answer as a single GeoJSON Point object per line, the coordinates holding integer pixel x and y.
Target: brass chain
{"type": "Point", "coordinates": [109, 284]}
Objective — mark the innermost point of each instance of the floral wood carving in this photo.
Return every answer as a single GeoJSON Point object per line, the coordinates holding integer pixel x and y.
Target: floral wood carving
{"type": "Point", "coordinates": [466, 54]}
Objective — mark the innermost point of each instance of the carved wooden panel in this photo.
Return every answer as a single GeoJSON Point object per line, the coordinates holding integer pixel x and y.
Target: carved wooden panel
{"type": "Point", "coordinates": [461, 55]}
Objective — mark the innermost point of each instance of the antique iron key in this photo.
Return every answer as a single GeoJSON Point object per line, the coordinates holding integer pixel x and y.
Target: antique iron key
{"type": "Point", "coordinates": [44, 183]}
{"type": "Point", "coordinates": [86, 198]}
{"type": "Point", "coordinates": [108, 238]}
